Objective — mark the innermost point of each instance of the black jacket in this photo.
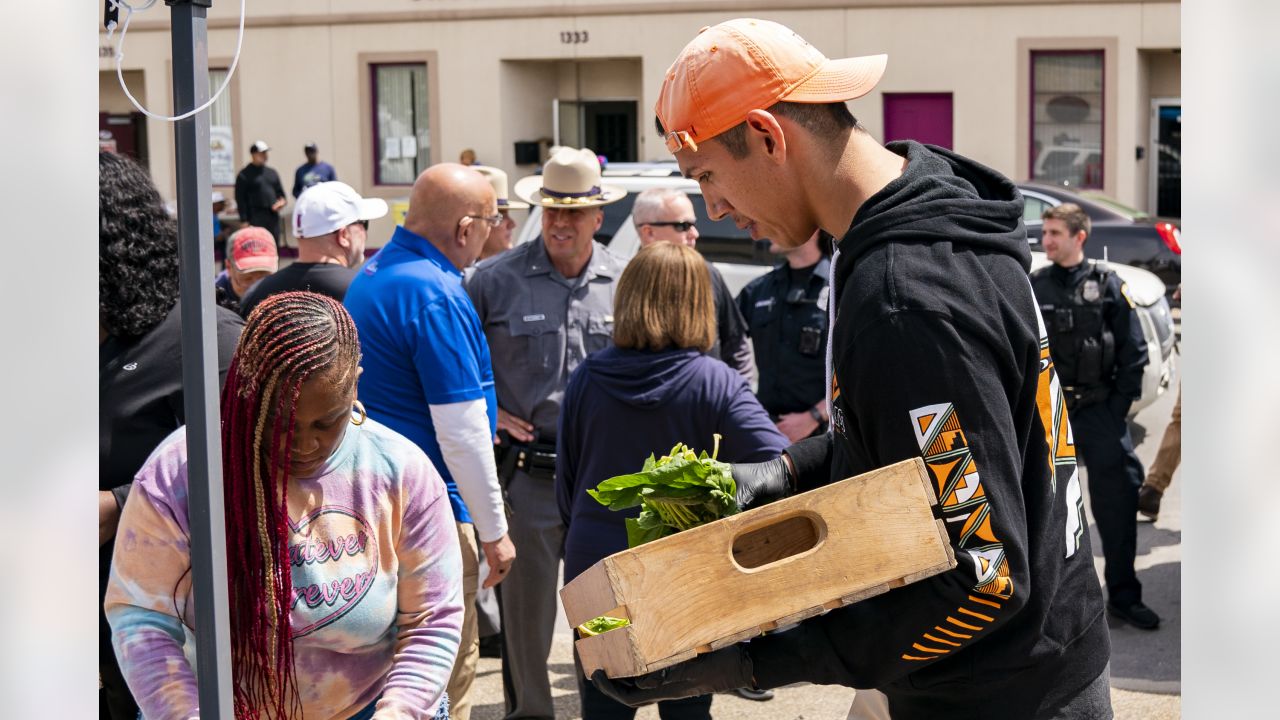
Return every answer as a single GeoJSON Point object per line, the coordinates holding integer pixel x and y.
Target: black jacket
{"type": "Point", "coordinates": [140, 402]}
{"type": "Point", "coordinates": [938, 353]}
{"type": "Point", "coordinates": [257, 189]}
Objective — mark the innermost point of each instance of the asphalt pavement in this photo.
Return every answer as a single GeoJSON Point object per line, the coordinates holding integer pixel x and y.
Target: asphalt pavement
{"type": "Point", "coordinates": [1146, 666]}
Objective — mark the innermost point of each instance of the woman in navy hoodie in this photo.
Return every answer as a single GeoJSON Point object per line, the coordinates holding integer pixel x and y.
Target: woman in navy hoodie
{"type": "Point", "coordinates": [653, 389]}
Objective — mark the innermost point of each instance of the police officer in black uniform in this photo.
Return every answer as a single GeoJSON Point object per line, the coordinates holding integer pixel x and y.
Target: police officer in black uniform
{"type": "Point", "coordinates": [786, 314]}
{"type": "Point", "coordinates": [1099, 352]}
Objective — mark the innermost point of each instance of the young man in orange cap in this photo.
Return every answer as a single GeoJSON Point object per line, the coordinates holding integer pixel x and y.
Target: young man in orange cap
{"type": "Point", "coordinates": [937, 351]}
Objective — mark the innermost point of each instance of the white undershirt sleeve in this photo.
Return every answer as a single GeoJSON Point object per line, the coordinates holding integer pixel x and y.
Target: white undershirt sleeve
{"type": "Point", "coordinates": [462, 429]}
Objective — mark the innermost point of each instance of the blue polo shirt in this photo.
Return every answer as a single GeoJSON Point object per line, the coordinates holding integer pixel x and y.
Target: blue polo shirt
{"type": "Point", "coordinates": [421, 344]}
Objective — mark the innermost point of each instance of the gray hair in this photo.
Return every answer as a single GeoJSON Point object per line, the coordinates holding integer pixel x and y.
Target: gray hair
{"type": "Point", "coordinates": [650, 203]}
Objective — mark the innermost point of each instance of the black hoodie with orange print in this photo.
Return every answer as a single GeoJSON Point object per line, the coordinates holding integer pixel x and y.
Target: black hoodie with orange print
{"type": "Point", "coordinates": [938, 352]}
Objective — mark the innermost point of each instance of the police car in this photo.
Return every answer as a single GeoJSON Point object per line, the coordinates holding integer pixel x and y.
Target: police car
{"type": "Point", "coordinates": [741, 260]}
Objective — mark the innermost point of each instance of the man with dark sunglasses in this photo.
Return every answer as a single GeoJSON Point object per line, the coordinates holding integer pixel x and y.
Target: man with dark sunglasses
{"type": "Point", "coordinates": [666, 215]}
{"type": "Point", "coordinates": [331, 224]}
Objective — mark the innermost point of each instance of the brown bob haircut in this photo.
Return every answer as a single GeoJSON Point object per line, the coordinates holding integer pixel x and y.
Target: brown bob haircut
{"type": "Point", "coordinates": [664, 300]}
{"type": "Point", "coordinates": [1072, 215]}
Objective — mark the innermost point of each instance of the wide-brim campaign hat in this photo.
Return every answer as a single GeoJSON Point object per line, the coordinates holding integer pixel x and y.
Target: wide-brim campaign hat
{"type": "Point", "coordinates": [498, 180]}
{"type": "Point", "coordinates": [570, 179]}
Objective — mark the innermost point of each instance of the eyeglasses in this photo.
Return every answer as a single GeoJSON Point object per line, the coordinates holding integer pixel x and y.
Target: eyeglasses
{"type": "Point", "coordinates": [680, 226]}
{"type": "Point", "coordinates": [363, 223]}
{"type": "Point", "coordinates": [493, 220]}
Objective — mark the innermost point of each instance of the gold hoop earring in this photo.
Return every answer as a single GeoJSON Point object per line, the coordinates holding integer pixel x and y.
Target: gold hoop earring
{"type": "Point", "coordinates": [359, 407]}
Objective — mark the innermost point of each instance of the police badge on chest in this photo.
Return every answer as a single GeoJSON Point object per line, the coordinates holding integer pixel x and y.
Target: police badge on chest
{"type": "Point", "coordinates": [1089, 291]}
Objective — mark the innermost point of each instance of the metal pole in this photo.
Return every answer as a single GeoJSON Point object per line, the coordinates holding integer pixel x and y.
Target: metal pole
{"type": "Point", "coordinates": [200, 359]}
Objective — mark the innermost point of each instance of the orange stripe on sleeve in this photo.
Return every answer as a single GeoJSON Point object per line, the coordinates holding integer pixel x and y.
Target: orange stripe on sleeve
{"type": "Point", "coordinates": [980, 616]}
{"type": "Point", "coordinates": [922, 648]}
{"type": "Point", "coordinates": [927, 636]}
{"type": "Point", "coordinates": [913, 657]}
{"type": "Point", "coordinates": [966, 626]}
{"type": "Point", "coordinates": [995, 605]}
{"type": "Point", "coordinates": [952, 634]}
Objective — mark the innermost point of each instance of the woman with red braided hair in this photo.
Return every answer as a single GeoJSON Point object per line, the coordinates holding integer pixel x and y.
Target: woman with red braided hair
{"type": "Point", "coordinates": [345, 580]}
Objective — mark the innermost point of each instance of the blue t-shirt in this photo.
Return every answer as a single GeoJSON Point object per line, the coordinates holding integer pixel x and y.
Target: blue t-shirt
{"type": "Point", "coordinates": [309, 174]}
{"type": "Point", "coordinates": [421, 344]}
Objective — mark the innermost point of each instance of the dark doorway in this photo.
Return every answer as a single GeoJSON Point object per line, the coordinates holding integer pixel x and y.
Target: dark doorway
{"type": "Point", "coordinates": [1168, 161]}
{"type": "Point", "coordinates": [125, 134]}
{"type": "Point", "coordinates": [606, 126]}
{"type": "Point", "coordinates": [609, 128]}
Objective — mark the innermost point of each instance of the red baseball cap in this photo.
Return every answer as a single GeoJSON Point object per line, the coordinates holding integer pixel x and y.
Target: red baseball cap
{"type": "Point", "coordinates": [746, 64]}
{"type": "Point", "coordinates": [252, 249]}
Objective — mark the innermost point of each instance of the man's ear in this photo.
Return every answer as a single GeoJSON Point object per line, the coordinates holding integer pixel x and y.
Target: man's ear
{"type": "Point", "coordinates": [599, 218]}
{"type": "Point", "coordinates": [464, 228]}
{"type": "Point", "coordinates": [764, 133]}
{"type": "Point", "coordinates": [344, 237]}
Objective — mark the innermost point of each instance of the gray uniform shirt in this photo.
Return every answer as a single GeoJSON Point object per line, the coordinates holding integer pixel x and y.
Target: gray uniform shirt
{"type": "Point", "coordinates": [540, 325]}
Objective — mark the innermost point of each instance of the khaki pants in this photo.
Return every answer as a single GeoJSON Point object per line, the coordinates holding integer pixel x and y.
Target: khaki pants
{"type": "Point", "coordinates": [464, 668]}
{"type": "Point", "coordinates": [1170, 453]}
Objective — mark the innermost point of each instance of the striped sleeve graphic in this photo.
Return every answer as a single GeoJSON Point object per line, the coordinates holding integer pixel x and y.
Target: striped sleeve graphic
{"type": "Point", "coordinates": [967, 514]}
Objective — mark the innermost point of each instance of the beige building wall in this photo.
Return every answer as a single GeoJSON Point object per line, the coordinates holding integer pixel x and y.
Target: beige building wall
{"type": "Point", "coordinates": [496, 65]}
{"type": "Point", "coordinates": [111, 98]}
{"type": "Point", "coordinates": [1166, 74]}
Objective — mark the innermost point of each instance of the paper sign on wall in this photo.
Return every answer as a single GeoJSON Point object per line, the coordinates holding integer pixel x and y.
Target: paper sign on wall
{"type": "Point", "coordinates": [222, 161]}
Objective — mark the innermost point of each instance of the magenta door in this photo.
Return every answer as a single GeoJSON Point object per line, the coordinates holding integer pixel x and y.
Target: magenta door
{"type": "Point", "coordinates": [924, 117]}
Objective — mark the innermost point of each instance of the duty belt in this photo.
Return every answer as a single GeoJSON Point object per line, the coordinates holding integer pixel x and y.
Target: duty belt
{"type": "Point", "coordinates": [1084, 396]}
{"type": "Point", "coordinates": [536, 459]}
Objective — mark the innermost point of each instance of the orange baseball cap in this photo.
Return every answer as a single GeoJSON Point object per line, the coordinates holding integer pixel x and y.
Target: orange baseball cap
{"type": "Point", "coordinates": [744, 64]}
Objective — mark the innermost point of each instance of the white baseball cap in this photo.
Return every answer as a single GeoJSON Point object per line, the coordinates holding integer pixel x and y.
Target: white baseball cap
{"type": "Point", "coordinates": [259, 146]}
{"type": "Point", "coordinates": [330, 206]}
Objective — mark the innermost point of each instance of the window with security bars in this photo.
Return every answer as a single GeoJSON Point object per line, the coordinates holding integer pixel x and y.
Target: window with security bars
{"type": "Point", "coordinates": [401, 137]}
{"type": "Point", "coordinates": [1067, 113]}
{"type": "Point", "coordinates": [222, 158]}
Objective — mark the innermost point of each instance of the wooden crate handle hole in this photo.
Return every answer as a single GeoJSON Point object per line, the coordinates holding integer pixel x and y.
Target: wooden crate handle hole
{"type": "Point", "coordinates": [777, 541]}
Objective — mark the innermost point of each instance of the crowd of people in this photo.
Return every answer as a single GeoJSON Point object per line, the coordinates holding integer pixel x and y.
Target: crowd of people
{"type": "Point", "coordinates": [407, 440]}
{"type": "Point", "coordinates": [362, 399]}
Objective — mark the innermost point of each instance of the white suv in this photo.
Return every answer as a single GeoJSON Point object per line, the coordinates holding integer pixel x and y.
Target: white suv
{"type": "Point", "coordinates": [740, 260]}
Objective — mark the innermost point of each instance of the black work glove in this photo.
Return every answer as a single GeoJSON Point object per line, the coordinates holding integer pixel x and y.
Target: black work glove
{"type": "Point", "coordinates": [762, 483]}
{"type": "Point", "coordinates": [720, 671]}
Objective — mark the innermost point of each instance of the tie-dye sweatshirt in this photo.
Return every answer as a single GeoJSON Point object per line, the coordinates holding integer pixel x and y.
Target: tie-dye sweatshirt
{"type": "Point", "coordinates": [377, 582]}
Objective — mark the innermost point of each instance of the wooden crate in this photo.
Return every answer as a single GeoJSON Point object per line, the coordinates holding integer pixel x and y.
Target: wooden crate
{"type": "Point", "coordinates": [730, 580]}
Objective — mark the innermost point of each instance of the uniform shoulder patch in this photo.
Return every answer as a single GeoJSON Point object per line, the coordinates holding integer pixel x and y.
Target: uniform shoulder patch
{"type": "Point", "coordinates": [1124, 293]}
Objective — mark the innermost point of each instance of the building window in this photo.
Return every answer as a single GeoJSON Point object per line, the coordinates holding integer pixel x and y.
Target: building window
{"type": "Point", "coordinates": [222, 154]}
{"type": "Point", "coordinates": [1067, 117]}
{"type": "Point", "coordinates": [401, 140]}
